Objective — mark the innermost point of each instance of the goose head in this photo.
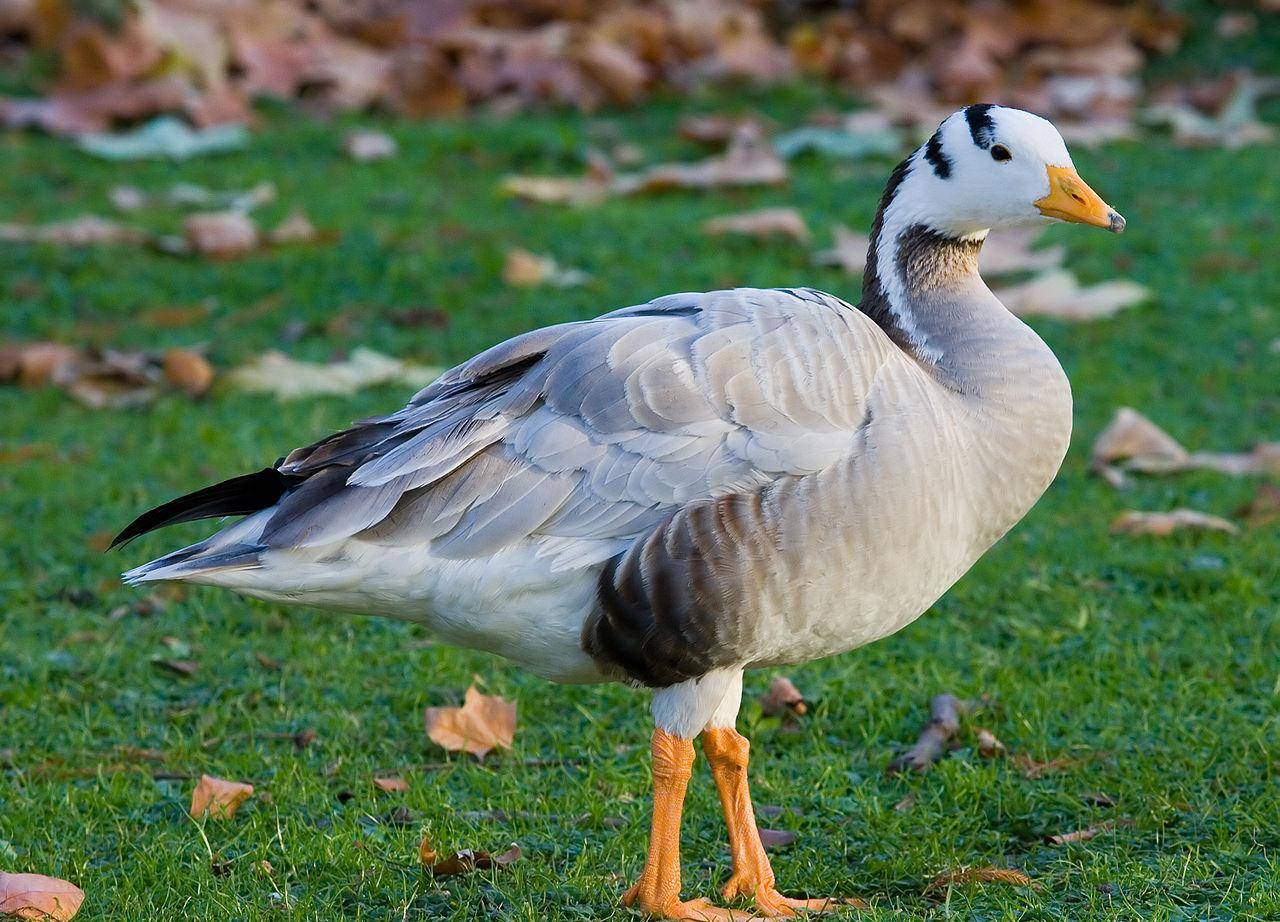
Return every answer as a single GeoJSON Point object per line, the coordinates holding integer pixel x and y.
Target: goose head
{"type": "Point", "coordinates": [992, 166]}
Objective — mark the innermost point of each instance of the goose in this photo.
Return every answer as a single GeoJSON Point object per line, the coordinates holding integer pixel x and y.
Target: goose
{"type": "Point", "coordinates": [675, 492]}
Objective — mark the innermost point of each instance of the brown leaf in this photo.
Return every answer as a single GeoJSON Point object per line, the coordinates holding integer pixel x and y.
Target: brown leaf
{"type": "Point", "coordinates": [524, 269]}
{"type": "Point", "coordinates": [34, 896]}
{"type": "Point", "coordinates": [775, 838]}
{"type": "Point", "coordinates": [557, 190]}
{"type": "Point", "coordinates": [221, 234]}
{"type": "Point", "coordinates": [989, 746]}
{"type": "Point", "coordinates": [391, 785]}
{"type": "Point", "coordinates": [782, 698]}
{"type": "Point", "coordinates": [86, 230]}
{"type": "Point", "coordinates": [364, 146]}
{"type": "Point", "coordinates": [1056, 293]}
{"type": "Point", "coordinates": [1033, 769]}
{"type": "Point", "coordinates": [466, 860]}
{"type": "Point", "coordinates": [217, 797]}
{"type": "Point", "coordinates": [1264, 508]}
{"type": "Point", "coordinates": [482, 723]}
{"type": "Point", "coordinates": [426, 853]}
{"type": "Point", "coordinates": [266, 662]}
{"type": "Point", "coordinates": [935, 738]}
{"type": "Point", "coordinates": [186, 667]}
{"type": "Point", "coordinates": [1008, 251]}
{"type": "Point", "coordinates": [36, 364]}
{"type": "Point", "coordinates": [296, 228]}
{"type": "Point", "coordinates": [112, 378]}
{"type": "Point", "coordinates": [1131, 436]}
{"type": "Point", "coordinates": [276, 373]}
{"type": "Point", "coordinates": [1089, 832]}
{"type": "Point", "coordinates": [766, 222]}
{"type": "Point", "coordinates": [749, 160]}
{"type": "Point", "coordinates": [188, 371]}
{"type": "Point", "coordinates": [905, 804]}
{"type": "Point", "coordinates": [1162, 524]}
{"type": "Point", "coordinates": [984, 875]}
{"type": "Point", "coordinates": [716, 128]}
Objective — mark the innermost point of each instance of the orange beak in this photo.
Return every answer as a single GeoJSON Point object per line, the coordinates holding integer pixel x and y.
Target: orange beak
{"type": "Point", "coordinates": [1071, 199]}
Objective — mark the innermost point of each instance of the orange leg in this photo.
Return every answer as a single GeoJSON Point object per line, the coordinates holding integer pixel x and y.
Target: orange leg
{"type": "Point", "coordinates": [657, 892]}
{"type": "Point", "coordinates": [727, 750]}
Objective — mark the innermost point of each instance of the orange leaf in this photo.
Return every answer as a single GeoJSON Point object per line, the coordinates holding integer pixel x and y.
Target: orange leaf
{"type": "Point", "coordinates": [478, 726]}
{"type": "Point", "coordinates": [782, 698]}
{"type": "Point", "coordinates": [187, 370]}
{"type": "Point", "coordinates": [979, 876]}
{"type": "Point", "coordinates": [34, 896]}
{"type": "Point", "coordinates": [218, 797]}
{"type": "Point", "coordinates": [391, 785]}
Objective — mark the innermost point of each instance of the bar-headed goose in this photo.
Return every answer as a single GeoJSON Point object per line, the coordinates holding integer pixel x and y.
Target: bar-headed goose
{"type": "Point", "coordinates": [675, 492]}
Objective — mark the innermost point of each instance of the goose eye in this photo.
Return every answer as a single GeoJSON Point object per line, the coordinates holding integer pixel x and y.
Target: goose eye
{"type": "Point", "coordinates": [1001, 153]}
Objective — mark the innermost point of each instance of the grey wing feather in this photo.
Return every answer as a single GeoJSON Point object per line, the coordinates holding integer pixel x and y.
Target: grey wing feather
{"type": "Point", "coordinates": [596, 430]}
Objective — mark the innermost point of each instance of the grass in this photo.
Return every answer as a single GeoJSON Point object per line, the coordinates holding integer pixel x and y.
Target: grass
{"type": "Point", "coordinates": [1153, 663]}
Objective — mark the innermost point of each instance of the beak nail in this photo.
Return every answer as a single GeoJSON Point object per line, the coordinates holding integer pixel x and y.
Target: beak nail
{"type": "Point", "coordinates": [1117, 223]}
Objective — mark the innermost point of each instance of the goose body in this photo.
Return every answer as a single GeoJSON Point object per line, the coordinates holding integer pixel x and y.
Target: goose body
{"type": "Point", "coordinates": [709, 482]}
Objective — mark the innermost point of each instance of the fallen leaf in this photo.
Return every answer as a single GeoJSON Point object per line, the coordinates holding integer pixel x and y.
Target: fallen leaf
{"type": "Point", "coordinates": [868, 133]}
{"type": "Point", "coordinates": [1056, 293]}
{"type": "Point", "coordinates": [1234, 125]}
{"type": "Point", "coordinates": [217, 797]}
{"type": "Point", "coordinates": [296, 228]}
{"type": "Point", "coordinates": [782, 698]}
{"type": "Point", "coordinates": [1013, 250]}
{"type": "Point", "coordinates": [1089, 832]}
{"type": "Point", "coordinates": [482, 723]}
{"type": "Point", "coordinates": [849, 251]}
{"type": "Point", "coordinates": [466, 860]}
{"type": "Point", "coordinates": [905, 804]}
{"type": "Point", "coordinates": [288, 379]}
{"type": "Point", "coordinates": [36, 364]}
{"type": "Point", "coordinates": [766, 222]}
{"type": "Point", "coordinates": [524, 270]}
{"type": "Point", "coordinates": [983, 875]}
{"type": "Point", "coordinates": [1264, 508]}
{"type": "Point", "coordinates": [364, 146]}
{"type": "Point", "coordinates": [748, 161]}
{"type": "Point", "coordinates": [989, 746]}
{"type": "Point", "coordinates": [1033, 769]}
{"type": "Point", "coordinates": [775, 838]}
{"type": "Point", "coordinates": [1131, 436]}
{"type": "Point", "coordinates": [166, 138]}
{"type": "Point", "coordinates": [266, 662]}
{"type": "Point", "coordinates": [716, 128]}
{"type": "Point", "coordinates": [1162, 524]}
{"type": "Point", "coordinates": [188, 371]}
{"type": "Point", "coordinates": [184, 667]}
{"type": "Point", "coordinates": [86, 230]}
{"type": "Point", "coordinates": [935, 738]}
{"type": "Point", "coordinates": [426, 853]}
{"type": "Point", "coordinates": [391, 785]}
{"type": "Point", "coordinates": [189, 195]}
{"type": "Point", "coordinates": [557, 190]}
{"type": "Point", "coordinates": [220, 234]}
{"type": "Point", "coordinates": [34, 896]}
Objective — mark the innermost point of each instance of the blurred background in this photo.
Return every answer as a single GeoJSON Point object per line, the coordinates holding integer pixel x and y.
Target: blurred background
{"type": "Point", "coordinates": [230, 227]}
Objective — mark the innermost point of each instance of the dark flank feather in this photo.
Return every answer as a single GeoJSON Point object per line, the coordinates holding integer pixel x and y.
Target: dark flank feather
{"type": "Point", "coordinates": [237, 496]}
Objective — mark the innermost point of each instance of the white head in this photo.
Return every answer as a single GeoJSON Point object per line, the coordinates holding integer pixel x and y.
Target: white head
{"type": "Point", "coordinates": [990, 166]}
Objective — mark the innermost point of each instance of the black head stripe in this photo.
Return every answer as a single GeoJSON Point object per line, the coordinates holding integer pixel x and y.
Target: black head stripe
{"type": "Point", "coordinates": [982, 127]}
{"type": "Point", "coordinates": [940, 162]}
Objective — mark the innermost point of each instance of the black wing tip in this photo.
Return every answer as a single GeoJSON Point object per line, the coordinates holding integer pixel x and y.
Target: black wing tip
{"type": "Point", "coordinates": [237, 496]}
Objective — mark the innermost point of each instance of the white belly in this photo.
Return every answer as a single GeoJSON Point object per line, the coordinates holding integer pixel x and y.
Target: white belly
{"type": "Point", "coordinates": [511, 604]}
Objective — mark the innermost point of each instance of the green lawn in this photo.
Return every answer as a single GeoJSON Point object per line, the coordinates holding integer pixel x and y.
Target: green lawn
{"type": "Point", "coordinates": [1153, 662]}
